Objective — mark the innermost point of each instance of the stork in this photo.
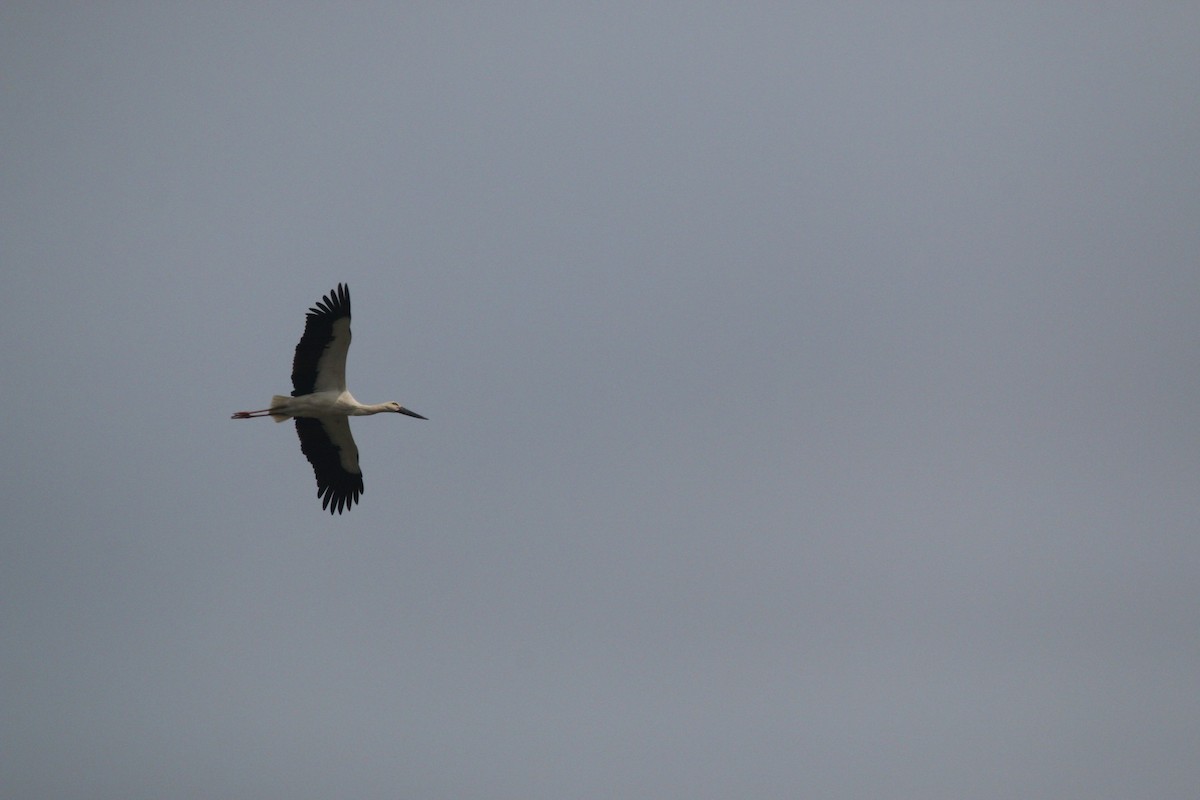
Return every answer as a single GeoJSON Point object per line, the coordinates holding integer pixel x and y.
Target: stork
{"type": "Point", "coordinates": [321, 405]}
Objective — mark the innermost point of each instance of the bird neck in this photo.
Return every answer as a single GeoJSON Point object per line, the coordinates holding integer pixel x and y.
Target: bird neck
{"type": "Point", "coordinates": [370, 408]}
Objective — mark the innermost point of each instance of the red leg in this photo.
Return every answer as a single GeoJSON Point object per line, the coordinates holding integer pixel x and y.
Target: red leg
{"type": "Point", "coordinates": [250, 414]}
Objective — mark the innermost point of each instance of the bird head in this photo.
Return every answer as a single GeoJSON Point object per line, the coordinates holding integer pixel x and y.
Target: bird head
{"type": "Point", "coordinates": [399, 409]}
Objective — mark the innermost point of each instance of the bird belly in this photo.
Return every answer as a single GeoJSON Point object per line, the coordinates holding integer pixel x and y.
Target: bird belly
{"type": "Point", "coordinates": [317, 404]}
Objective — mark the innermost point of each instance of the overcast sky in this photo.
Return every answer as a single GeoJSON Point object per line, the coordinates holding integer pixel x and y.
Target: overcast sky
{"type": "Point", "coordinates": [811, 388]}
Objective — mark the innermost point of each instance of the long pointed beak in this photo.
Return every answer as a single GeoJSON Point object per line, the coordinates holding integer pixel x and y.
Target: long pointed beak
{"type": "Point", "coordinates": [412, 414]}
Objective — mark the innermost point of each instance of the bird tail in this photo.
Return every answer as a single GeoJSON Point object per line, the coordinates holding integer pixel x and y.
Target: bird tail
{"type": "Point", "coordinates": [279, 401]}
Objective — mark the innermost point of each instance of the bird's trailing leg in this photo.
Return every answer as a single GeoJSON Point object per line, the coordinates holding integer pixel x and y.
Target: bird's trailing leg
{"type": "Point", "coordinates": [250, 414]}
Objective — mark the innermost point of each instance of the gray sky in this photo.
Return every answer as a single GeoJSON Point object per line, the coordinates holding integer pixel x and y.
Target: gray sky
{"type": "Point", "coordinates": [812, 400]}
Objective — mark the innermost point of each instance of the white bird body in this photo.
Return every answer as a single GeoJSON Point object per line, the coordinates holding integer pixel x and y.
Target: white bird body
{"type": "Point", "coordinates": [321, 405]}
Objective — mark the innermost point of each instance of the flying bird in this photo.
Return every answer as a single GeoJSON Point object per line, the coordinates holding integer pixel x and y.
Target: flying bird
{"type": "Point", "coordinates": [321, 405]}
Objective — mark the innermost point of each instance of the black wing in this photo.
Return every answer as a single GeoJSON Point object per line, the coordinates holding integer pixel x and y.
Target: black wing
{"type": "Point", "coordinates": [320, 362]}
{"type": "Point", "coordinates": [329, 447]}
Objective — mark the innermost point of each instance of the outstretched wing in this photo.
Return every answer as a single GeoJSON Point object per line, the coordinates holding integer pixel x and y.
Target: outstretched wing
{"type": "Point", "coordinates": [320, 362]}
{"type": "Point", "coordinates": [329, 447]}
